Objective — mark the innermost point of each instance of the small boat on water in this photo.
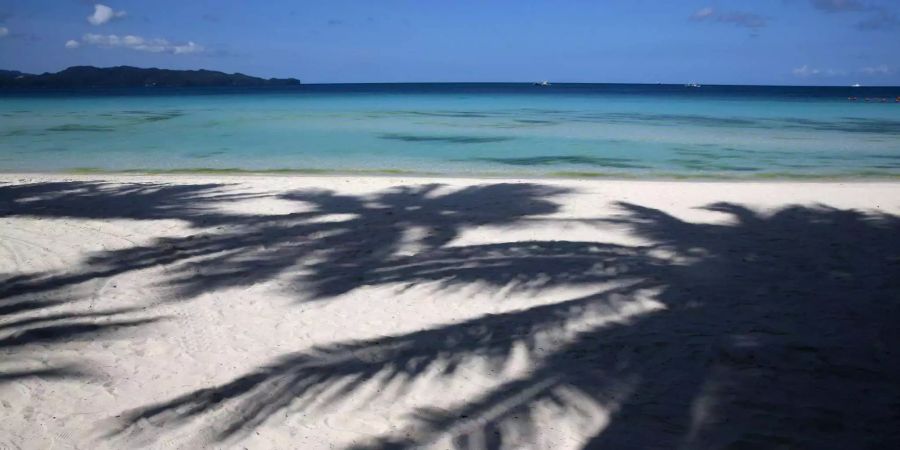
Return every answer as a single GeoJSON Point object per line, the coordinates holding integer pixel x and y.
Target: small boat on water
{"type": "Point", "coordinates": [542, 83]}
{"type": "Point", "coordinates": [855, 85]}
{"type": "Point", "coordinates": [692, 85]}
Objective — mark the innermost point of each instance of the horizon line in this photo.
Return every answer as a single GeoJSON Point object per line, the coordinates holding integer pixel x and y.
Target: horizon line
{"type": "Point", "coordinates": [470, 82]}
{"type": "Point", "coordinates": [597, 82]}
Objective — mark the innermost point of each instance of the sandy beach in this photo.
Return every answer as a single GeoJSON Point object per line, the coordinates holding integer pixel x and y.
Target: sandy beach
{"type": "Point", "coordinates": [201, 311]}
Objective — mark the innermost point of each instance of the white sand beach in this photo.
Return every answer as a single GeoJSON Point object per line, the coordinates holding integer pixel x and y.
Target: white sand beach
{"type": "Point", "coordinates": [206, 311]}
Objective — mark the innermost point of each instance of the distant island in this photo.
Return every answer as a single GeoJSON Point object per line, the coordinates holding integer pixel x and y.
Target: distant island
{"type": "Point", "coordinates": [125, 76]}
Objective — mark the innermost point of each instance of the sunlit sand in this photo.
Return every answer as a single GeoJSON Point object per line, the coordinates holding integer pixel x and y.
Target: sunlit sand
{"type": "Point", "coordinates": [362, 312]}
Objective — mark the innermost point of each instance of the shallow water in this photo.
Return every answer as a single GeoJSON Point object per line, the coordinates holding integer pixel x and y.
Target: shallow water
{"type": "Point", "coordinates": [460, 129]}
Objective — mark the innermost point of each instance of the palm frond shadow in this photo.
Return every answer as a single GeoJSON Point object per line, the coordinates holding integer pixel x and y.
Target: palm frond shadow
{"type": "Point", "coordinates": [59, 372]}
{"type": "Point", "coordinates": [32, 324]}
{"type": "Point", "coordinates": [31, 328]}
{"type": "Point", "coordinates": [242, 250]}
{"type": "Point", "coordinates": [231, 249]}
{"type": "Point", "coordinates": [776, 329]}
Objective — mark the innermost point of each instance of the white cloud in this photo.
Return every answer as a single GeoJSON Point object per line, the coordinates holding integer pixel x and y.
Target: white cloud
{"type": "Point", "coordinates": [4, 31]}
{"type": "Point", "coordinates": [877, 70]}
{"type": "Point", "coordinates": [71, 43]}
{"type": "Point", "coordinates": [736, 18]}
{"type": "Point", "coordinates": [703, 13]}
{"type": "Point", "coordinates": [138, 43]}
{"type": "Point", "coordinates": [806, 71]}
{"type": "Point", "coordinates": [103, 14]}
{"type": "Point", "coordinates": [190, 47]}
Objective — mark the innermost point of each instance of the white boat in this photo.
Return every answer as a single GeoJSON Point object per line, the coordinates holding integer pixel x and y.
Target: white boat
{"type": "Point", "coordinates": [692, 85]}
{"type": "Point", "coordinates": [542, 83]}
{"type": "Point", "coordinates": [854, 85]}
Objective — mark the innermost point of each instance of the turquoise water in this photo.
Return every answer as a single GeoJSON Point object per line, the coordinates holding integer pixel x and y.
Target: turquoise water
{"type": "Point", "coordinates": [459, 129]}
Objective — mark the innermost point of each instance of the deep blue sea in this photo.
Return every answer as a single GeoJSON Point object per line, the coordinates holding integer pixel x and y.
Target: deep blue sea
{"type": "Point", "coordinates": [481, 129]}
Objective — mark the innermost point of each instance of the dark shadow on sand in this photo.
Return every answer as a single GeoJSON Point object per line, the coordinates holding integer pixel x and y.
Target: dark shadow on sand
{"type": "Point", "coordinates": [31, 322]}
{"type": "Point", "coordinates": [776, 329]}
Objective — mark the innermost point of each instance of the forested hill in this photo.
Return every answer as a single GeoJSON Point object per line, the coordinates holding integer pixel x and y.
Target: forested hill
{"type": "Point", "coordinates": [125, 76]}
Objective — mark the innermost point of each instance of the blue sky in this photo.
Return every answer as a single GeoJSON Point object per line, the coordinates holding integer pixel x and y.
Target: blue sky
{"type": "Point", "coordinates": [644, 41]}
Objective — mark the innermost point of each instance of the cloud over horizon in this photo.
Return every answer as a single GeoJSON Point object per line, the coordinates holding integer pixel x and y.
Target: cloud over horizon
{"type": "Point", "coordinates": [805, 71]}
{"type": "Point", "coordinates": [736, 18]}
{"type": "Point", "coordinates": [877, 70]}
{"type": "Point", "coordinates": [103, 14]}
{"type": "Point", "coordinates": [138, 43]}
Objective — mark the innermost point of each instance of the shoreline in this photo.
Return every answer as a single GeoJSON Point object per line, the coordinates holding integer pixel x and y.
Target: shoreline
{"type": "Point", "coordinates": [388, 173]}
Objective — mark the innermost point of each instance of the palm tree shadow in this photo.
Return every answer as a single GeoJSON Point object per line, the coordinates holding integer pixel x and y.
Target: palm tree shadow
{"type": "Point", "coordinates": [42, 311]}
{"type": "Point", "coordinates": [31, 327]}
{"type": "Point", "coordinates": [773, 330]}
{"type": "Point", "coordinates": [231, 249]}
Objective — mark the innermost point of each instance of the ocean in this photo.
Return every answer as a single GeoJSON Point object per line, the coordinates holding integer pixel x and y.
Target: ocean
{"type": "Point", "coordinates": [460, 129]}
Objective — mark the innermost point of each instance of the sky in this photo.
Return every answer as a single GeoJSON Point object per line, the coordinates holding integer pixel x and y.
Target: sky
{"type": "Point", "coordinates": [794, 42]}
